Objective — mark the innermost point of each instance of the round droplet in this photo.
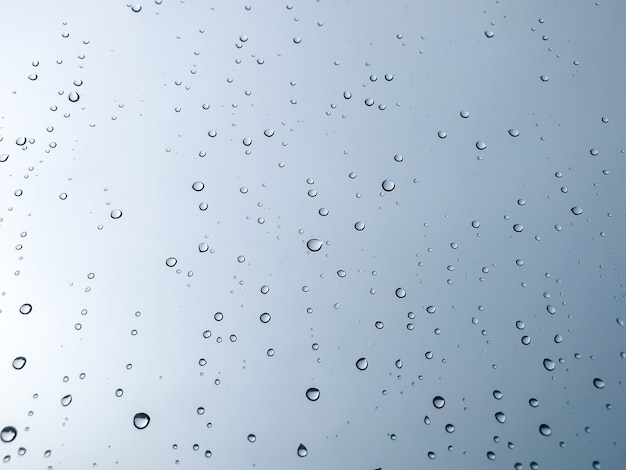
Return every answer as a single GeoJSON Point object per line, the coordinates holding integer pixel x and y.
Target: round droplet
{"type": "Point", "coordinates": [475, 223]}
{"type": "Point", "coordinates": [268, 132]}
{"type": "Point", "coordinates": [544, 78]}
{"type": "Point", "coordinates": [598, 383]}
{"type": "Point", "coordinates": [265, 317]}
{"type": "Point", "coordinates": [19, 362]}
{"type": "Point", "coordinates": [314, 244]}
{"type": "Point", "coordinates": [520, 325]}
{"type": "Point", "coordinates": [203, 206]}
{"type": "Point", "coordinates": [464, 114]}
{"type": "Point", "coordinates": [491, 455]}
{"type": "Point", "coordinates": [297, 40]}
{"type": "Point", "coordinates": [497, 394]}
{"type": "Point", "coordinates": [379, 325]}
{"type": "Point", "coordinates": [500, 417]}
{"type": "Point", "coordinates": [558, 339]}
{"type": "Point", "coordinates": [450, 428]}
{"type": "Point", "coordinates": [251, 438]}
{"type": "Point", "coordinates": [313, 394]}
{"type": "Point", "coordinates": [439, 402]}
{"type": "Point", "coordinates": [533, 402]}
{"type": "Point", "coordinates": [302, 451]}
{"type": "Point", "coordinates": [545, 430]}
{"type": "Point", "coordinates": [25, 309]}
{"type": "Point", "coordinates": [442, 134]}
{"type": "Point", "coordinates": [247, 141]}
{"type": "Point", "coordinates": [361, 364]}
{"type": "Point", "coordinates": [66, 400]}
{"type": "Point", "coordinates": [360, 226]}
{"type": "Point", "coordinates": [171, 262]}
{"type": "Point", "coordinates": [513, 132]}
{"type": "Point", "coordinates": [400, 293]}
{"type": "Point", "coordinates": [116, 214]}
{"type": "Point", "coordinates": [480, 145]}
{"type": "Point", "coordinates": [576, 210]}
{"type": "Point", "coordinates": [431, 309]}
{"type": "Point", "coordinates": [526, 340]}
{"type": "Point", "coordinates": [119, 392]}
{"type": "Point", "coordinates": [489, 34]}
{"type": "Point", "coordinates": [73, 97]}
{"type": "Point", "coordinates": [323, 212]}
{"type": "Point", "coordinates": [136, 8]}
{"type": "Point", "coordinates": [198, 186]}
{"type": "Point", "coordinates": [203, 247]}
{"type": "Point", "coordinates": [8, 434]}
{"type": "Point", "coordinates": [549, 364]}
{"type": "Point", "coordinates": [388, 185]}
{"type": "Point", "coordinates": [141, 420]}
{"type": "Point", "coordinates": [347, 95]}
{"type": "Point", "coordinates": [518, 228]}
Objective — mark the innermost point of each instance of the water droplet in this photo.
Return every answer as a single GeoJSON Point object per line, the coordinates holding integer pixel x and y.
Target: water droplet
{"type": "Point", "coordinates": [203, 206]}
{"type": "Point", "coordinates": [526, 340]}
{"type": "Point", "coordinates": [533, 402]}
{"type": "Point", "coordinates": [251, 438]}
{"type": "Point", "coordinates": [347, 95]}
{"type": "Point", "coordinates": [141, 420]}
{"type": "Point", "coordinates": [116, 214]}
{"type": "Point", "coordinates": [268, 132]}
{"type": "Point", "coordinates": [388, 77]}
{"type": "Point", "coordinates": [379, 325]}
{"type": "Point", "coordinates": [497, 394]}
{"type": "Point", "coordinates": [4, 157]}
{"type": "Point", "coordinates": [450, 428]}
{"type": "Point", "coordinates": [475, 223]}
{"type": "Point", "coordinates": [464, 114]}
{"type": "Point", "coordinates": [491, 455]}
{"type": "Point", "coordinates": [500, 417]}
{"type": "Point", "coordinates": [520, 325]}
{"type": "Point", "coordinates": [576, 210]}
{"type": "Point", "coordinates": [442, 134]}
{"type": "Point", "coordinates": [171, 261]}
{"type": "Point", "coordinates": [8, 434]}
{"type": "Point", "coordinates": [19, 362]}
{"type": "Point", "coordinates": [73, 97]}
{"type": "Point", "coordinates": [198, 186]}
{"type": "Point", "coordinates": [361, 364]}
{"type": "Point", "coordinates": [302, 451]}
{"type": "Point", "coordinates": [25, 309]}
{"type": "Point", "coordinates": [119, 392]}
{"type": "Point", "coordinates": [369, 102]}
{"type": "Point", "coordinates": [203, 247]}
{"type": "Point", "coordinates": [598, 383]}
{"type": "Point", "coordinates": [439, 402]}
{"type": "Point", "coordinates": [431, 309]}
{"type": "Point", "coordinates": [399, 363]}
{"type": "Point", "coordinates": [545, 430]}
{"type": "Point", "coordinates": [596, 465]}
{"type": "Point", "coordinates": [549, 364]}
{"type": "Point", "coordinates": [66, 400]}
{"type": "Point", "coordinates": [480, 145]}
{"type": "Point", "coordinates": [297, 40]}
{"type": "Point", "coordinates": [388, 185]}
{"type": "Point", "coordinates": [360, 226]}
{"type": "Point", "coordinates": [518, 228]}
{"type": "Point", "coordinates": [489, 34]}
{"type": "Point", "coordinates": [265, 317]}
{"type": "Point", "coordinates": [400, 293]}
{"type": "Point", "coordinates": [431, 455]}
{"type": "Point", "coordinates": [313, 394]}
{"type": "Point", "coordinates": [247, 141]}
{"type": "Point", "coordinates": [136, 8]}
{"type": "Point", "coordinates": [558, 339]}
{"type": "Point", "coordinates": [314, 244]}
{"type": "Point", "coordinates": [544, 78]}
{"type": "Point", "coordinates": [513, 132]}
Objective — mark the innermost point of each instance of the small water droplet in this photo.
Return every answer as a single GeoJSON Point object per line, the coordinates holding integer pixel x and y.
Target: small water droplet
{"type": "Point", "coordinates": [141, 420]}
{"type": "Point", "coordinates": [388, 185]}
{"type": "Point", "coordinates": [442, 134]}
{"type": "Point", "coordinates": [360, 226]}
{"type": "Point", "coordinates": [116, 214]}
{"type": "Point", "coordinates": [66, 400]}
{"type": "Point", "coordinates": [268, 132]}
{"type": "Point", "coordinates": [247, 141]}
{"type": "Point", "coordinates": [136, 8]}
{"type": "Point", "coordinates": [513, 132]}
{"type": "Point", "coordinates": [491, 455]}
{"type": "Point", "coordinates": [314, 244]}
{"type": "Point", "coordinates": [576, 210]}
{"type": "Point", "coordinates": [439, 402]}
{"type": "Point", "coordinates": [25, 309]}
{"type": "Point", "coordinates": [313, 394]}
{"type": "Point", "coordinates": [450, 428]}
{"type": "Point", "coordinates": [545, 430]}
{"type": "Point", "coordinates": [361, 364]}
{"type": "Point", "coordinates": [480, 145]}
{"type": "Point", "coordinates": [544, 78]}
{"type": "Point", "coordinates": [203, 247]}
{"type": "Point", "coordinates": [518, 228]}
{"type": "Point", "coordinates": [598, 383]}
{"type": "Point", "coordinates": [500, 417]}
{"type": "Point", "coordinates": [171, 261]}
{"type": "Point", "coordinates": [198, 186]}
{"type": "Point", "coordinates": [73, 97]}
{"type": "Point", "coordinates": [489, 34]}
{"type": "Point", "coordinates": [533, 402]}
{"type": "Point", "coordinates": [400, 293]}
{"type": "Point", "coordinates": [549, 364]}
{"type": "Point", "coordinates": [19, 362]}
{"type": "Point", "coordinates": [8, 434]}
{"type": "Point", "coordinates": [251, 438]}
{"type": "Point", "coordinates": [265, 317]}
{"type": "Point", "coordinates": [302, 451]}
{"type": "Point", "coordinates": [119, 392]}
{"type": "Point", "coordinates": [475, 223]}
{"type": "Point", "coordinates": [497, 394]}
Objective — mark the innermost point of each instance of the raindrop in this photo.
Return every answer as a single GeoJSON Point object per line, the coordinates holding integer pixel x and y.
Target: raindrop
{"type": "Point", "coordinates": [265, 317]}
{"type": "Point", "coordinates": [549, 364]}
{"type": "Point", "coordinates": [360, 226]}
{"type": "Point", "coordinates": [313, 394]}
{"type": "Point", "coordinates": [475, 223]}
{"type": "Point", "coordinates": [489, 34]}
{"type": "Point", "coordinates": [297, 40]}
{"type": "Point", "coordinates": [8, 434]}
{"type": "Point", "coordinates": [66, 400]}
{"type": "Point", "coordinates": [576, 210]}
{"type": "Point", "coordinates": [25, 309]}
{"type": "Point", "coordinates": [347, 95]}
{"type": "Point", "coordinates": [171, 261]}
{"type": "Point", "coordinates": [19, 362]}
{"type": "Point", "coordinates": [598, 383]}
{"type": "Point", "coordinates": [4, 157]}
{"type": "Point", "coordinates": [450, 428]}
{"type": "Point", "coordinates": [302, 451]}
{"type": "Point", "coordinates": [116, 214]}
{"type": "Point", "coordinates": [314, 244]}
{"type": "Point", "coordinates": [20, 141]}
{"type": "Point", "coordinates": [361, 364]}
{"type": "Point", "coordinates": [533, 402]}
{"type": "Point", "coordinates": [400, 293]}
{"type": "Point", "coordinates": [442, 134]}
{"type": "Point", "coordinates": [136, 8]}
{"type": "Point", "coordinates": [480, 145]}
{"type": "Point", "coordinates": [464, 114]}
{"type": "Point", "coordinates": [520, 325]}
{"type": "Point", "coordinates": [491, 455]}
{"type": "Point", "coordinates": [73, 97]}
{"type": "Point", "coordinates": [323, 212]}
{"type": "Point", "coordinates": [198, 186]}
{"type": "Point", "coordinates": [247, 141]}
{"type": "Point", "coordinates": [203, 206]}
{"type": "Point", "coordinates": [518, 228]}
{"type": "Point", "coordinates": [388, 185]}
{"type": "Point", "coordinates": [431, 309]}
{"type": "Point", "coordinates": [398, 158]}
{"type": "Point", "coordinates": [500, 417]}
{"type": "Point", "coordinates": [545, 430]}
{"type": "Point", "coordinates": [119, 392]}
{"type": "Point", "coordinates": [513, 132]}
{"type": "Point", "coordinates": [544, 78]}
{"type": "Point", "coordinates": [497, 394]}
{"type": "Point", "coordinates": [268, 132]}
{"type": "Point", "coordinates": [141, 420]}
{"type": "Point", "coordinates": [594, 152]}
{"type": "Point", "coordinates": [439, 402]}
{"type": "Point", "coordinates": [379, 325]}
{"type": "Point", "coordinates": [203, 247]}
{"type": "Point", "coordinates": [251, 438]}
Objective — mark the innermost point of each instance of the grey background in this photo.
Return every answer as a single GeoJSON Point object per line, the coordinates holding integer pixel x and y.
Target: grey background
{"type": "Point", "coordinates": [138, 138]}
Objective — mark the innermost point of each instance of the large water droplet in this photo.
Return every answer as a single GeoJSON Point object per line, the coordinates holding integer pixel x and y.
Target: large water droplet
{"type": "Point", "coordinates": [361, 364]}
{"type": "Point", "coordinates": [533, 402]}
{"type": "Point", "coordinates": [500, 417]}
{"type": "Point", "coordinates": [141, 420]}
{"type": "Point", "coordinates": [400, 293]}
{"type": "Point", "coordinates": [360, 226]}
{"type": "Point", "coordinates": [66, 400]}
{"type": "Point", "coordinates": [598, 383]}
{"type": "Point", "coordinates": [480, 145]}
{"type": "Point", "coordinates": [19, 362]}
{"type": "Point", "coordinates": [73, 97]}
{"type": "Point", "coordinates": [576, 210]}
{"type": "Point", "coordinates": [518, 228]}
{"type": "Point", "coordinates": [265, 317]}
{"type": "Point", "coordinates": [545, 430]}
{"type": "Point", "coordinates": [198, 186]}
{"type": "Point", "coordinates": [116, 214]}
{"type": "Point", "coordinates": [513, 132]}
{"type": "Point", "coordinates": [489, 34]}
{"type": "Point", "coordinates": [251, 438]}
{"type": "Point", "coordinates": [8, 434]}
{"type": "Point", "coordinates": [388, 185]}
{"type": "Point", "coordinates": [313, 393]}
{"type": "Point", "coordinates": [549, 364]}
{"type": "Point", "coordinates": [25, 309]}
{"type": "Point", "coordinates": [302, 451]}
{"type": "Point", "coordinates": [171, 261]}
{"type": "Point", "coordinates": [314, 244]}
{"type": "Point", "coordinates": [439, 402]}
{"type": "Point", "coordinates": [450, 428]}
{"type": "Point", "coordinates": [203, 247]}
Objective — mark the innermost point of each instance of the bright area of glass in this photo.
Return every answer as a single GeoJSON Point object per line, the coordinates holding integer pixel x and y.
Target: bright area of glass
{"type": "Point", "coordinates": [362, 235]}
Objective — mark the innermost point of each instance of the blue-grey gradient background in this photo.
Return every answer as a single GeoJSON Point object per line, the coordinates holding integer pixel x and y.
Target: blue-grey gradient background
{"type": "Point", "coordinates": [156, 82]}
